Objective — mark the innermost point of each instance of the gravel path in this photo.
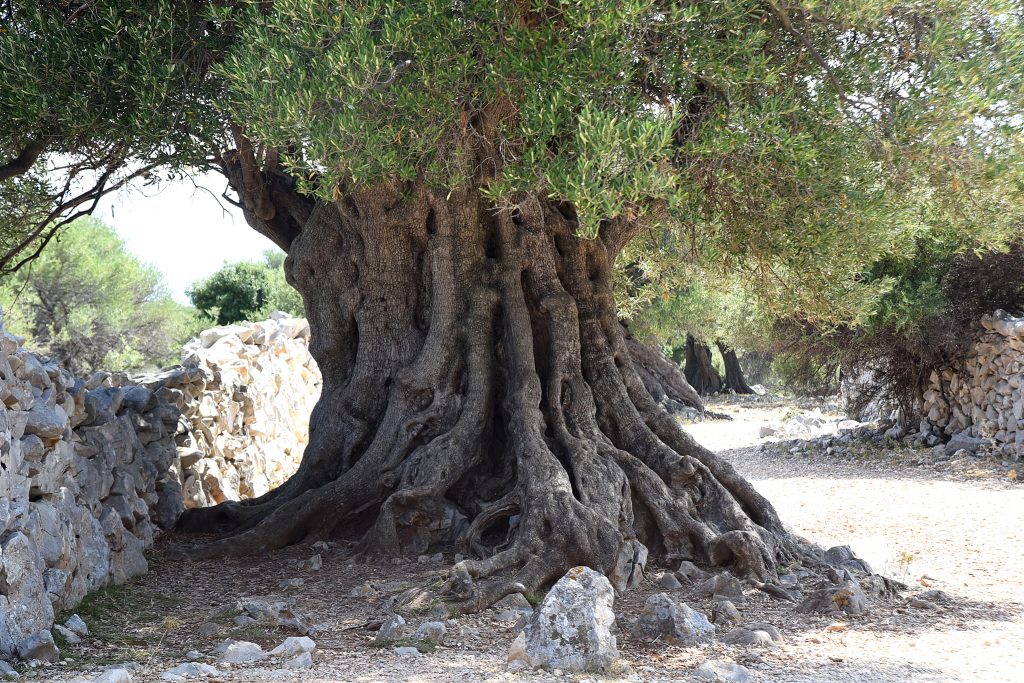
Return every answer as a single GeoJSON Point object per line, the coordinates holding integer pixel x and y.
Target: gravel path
{"type": "Point", "coordinates": [965, 537]}
{"type": "Point", "coordinates": [930, 530]}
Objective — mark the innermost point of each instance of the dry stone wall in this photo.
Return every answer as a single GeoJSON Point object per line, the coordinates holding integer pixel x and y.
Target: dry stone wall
{"type": "Point", "coordinates": [85, 485]}
{"type": "Point", "coordinates": [984, 400]}
{"type": "Point", "coordinates": [245, 393]}
{"type": "Point", "coordinates": [93, 470]}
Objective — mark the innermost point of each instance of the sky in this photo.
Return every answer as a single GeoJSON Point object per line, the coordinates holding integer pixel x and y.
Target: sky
{"type": "Point", "coordinates": [181, 230]}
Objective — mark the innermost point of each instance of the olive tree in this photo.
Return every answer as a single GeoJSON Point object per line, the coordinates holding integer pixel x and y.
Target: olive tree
{"type": "Point", "coordinates": [454, 183]}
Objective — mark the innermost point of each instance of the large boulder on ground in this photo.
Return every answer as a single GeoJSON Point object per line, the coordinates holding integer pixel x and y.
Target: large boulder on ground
{"type": "Point", "coordinates": [724, 585]}
{"type": "Point", "coordinates": [572, 629]}
{"type": "Point", "coordinates": [394, 628]}
{"type": "Point", "coordinates": [756, 634]}
{"type": "Point", "coordinates": [39, 647]}
{"type": "Point", "coordinates": [239, 652]}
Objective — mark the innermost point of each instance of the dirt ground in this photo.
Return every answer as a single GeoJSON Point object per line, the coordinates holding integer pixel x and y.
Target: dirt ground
{"type": "Point", "coordinates": [952, 531]}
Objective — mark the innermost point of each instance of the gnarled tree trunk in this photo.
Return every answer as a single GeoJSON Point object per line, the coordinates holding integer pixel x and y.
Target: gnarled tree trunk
{"type": "Point", "coordinates": [699, 370]}
{"type": "Point", "coordinates": [734, 379]}
{"type": "Point", "coordinates": [479, 392]}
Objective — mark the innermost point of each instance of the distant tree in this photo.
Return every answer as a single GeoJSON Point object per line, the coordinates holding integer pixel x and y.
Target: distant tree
{"type": "Point", "coordinates": [246, 291]}
{"type": "Point", "coordinates": [238, 291]}
{"type": "Point", "coordinates": [691, 315]}
{"type": "Point", "coordinates": [90, 304]}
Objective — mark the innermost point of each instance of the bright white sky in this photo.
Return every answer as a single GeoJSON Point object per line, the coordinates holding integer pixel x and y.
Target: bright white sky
{"type": "Point", "coordinates": [182, 230]}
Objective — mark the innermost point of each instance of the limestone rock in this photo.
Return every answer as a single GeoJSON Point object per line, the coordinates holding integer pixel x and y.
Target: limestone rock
{"type": "Point", "coordinates": [76, 624]}
{"type": "Point", "coordinates": [572, 628]}
{"type": "Point", "coordinates": [393, 628]}
{"type": "Point", "coordinates": [689, 573]}
{"type": "Point", "coordinates": [238, 652]}
{"type": "Point", "coordinates": [723, 585]}
{"type": "Point", "coordinates": [38, 647]}
{"type": "Point", "coordinates": [46, 422]}
{"type": "Point", "coordinates": [302, 661]}
{"type": "Point", "coordinates": [756, 634]}
{"type": "Point", "coordinates": [191, 670]}
{"type": "Point", "coordinates": [67, 635]}
{"type": "Point", "coordinates": [431, 632]}
{"type": "Point", "coordinates": [115, 675]}
{"type": "Point", "coordinates": [845, 597]}
{"type": "Point", "coordinates": [294, 646]}
{"type": "Point", "coordinates": [664, 620]}
{"type": "Point", "coordinates": [716, 671]}
{"type": "Point", "coordinates": [724, 613]}
{"type": "Point", "coordinates": [669, 582]}
{"type": "Point", "coordinates": [25, 608]}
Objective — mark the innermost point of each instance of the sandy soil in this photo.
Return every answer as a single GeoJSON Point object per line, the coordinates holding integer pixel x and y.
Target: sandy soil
{"type": "Point", "coordinates": [960, 534]}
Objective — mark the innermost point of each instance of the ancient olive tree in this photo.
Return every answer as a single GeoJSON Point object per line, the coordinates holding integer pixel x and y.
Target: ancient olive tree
{"type": "Point", "coordinates": [453, 183]}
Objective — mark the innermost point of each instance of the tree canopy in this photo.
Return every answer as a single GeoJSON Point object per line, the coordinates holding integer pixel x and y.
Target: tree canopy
{"type": "Point", "coordinates": [793, 142]}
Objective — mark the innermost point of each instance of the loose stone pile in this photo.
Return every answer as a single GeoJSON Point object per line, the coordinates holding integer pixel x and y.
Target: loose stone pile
{"type": "Point", "coordinates": [245, 393]}
{"type": "Point", "coordinates": [985, 399]}
{"type": "Point", "coordinates": [91, 470]}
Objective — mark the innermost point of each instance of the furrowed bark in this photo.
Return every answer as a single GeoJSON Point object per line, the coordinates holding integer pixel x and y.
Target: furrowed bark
{"type": "Point", "coordinates": [699, 370]}
{"type": "Point", "coordinates": [662, 377]}
{"type": "Point", "coordinates": [734, 379]}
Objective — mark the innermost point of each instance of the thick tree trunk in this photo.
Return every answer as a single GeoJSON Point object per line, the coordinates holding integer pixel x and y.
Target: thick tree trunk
{"type": "Point", "coordinates": [479, 392]}
{"type": "Point", "coordinates": [734, 379]}
{"type": "Point", "coordinates": [699, 370]}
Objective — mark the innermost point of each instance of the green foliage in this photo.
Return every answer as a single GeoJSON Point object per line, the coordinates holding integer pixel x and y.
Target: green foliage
{"type": "Point", "coordinates": [101, 92]}
{"type": "Point", "coordinates": [246, 291]}
{"type": "Point", "coordinates": [709, 309]}
{"type": "Point", "coordinates": [926, 321]}
{"type": "Point", "coordinates": [787, 146]}
{"type": "Point", "coordinates": [90, 304]}
{"type": "Point", "coordinates": [826, 130]}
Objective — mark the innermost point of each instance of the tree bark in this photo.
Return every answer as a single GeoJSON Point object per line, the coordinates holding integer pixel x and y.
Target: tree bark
{"type": "Point", "coordinates": [734, 379]}
{"type": "Point", "coordinates": [480, 393]}
{"type": "Point", "coordinates": [699, 370]}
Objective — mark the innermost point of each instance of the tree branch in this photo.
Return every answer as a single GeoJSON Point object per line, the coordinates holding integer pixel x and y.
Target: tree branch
{"type": "Point", "coordinates": [23, 162]}
{"type": "Point", "coordinates": [268, 196]}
